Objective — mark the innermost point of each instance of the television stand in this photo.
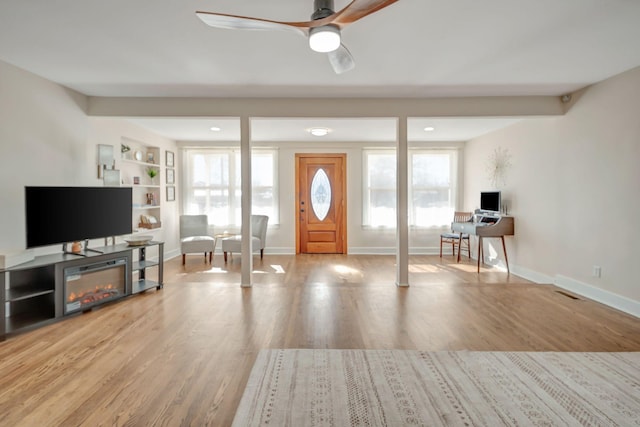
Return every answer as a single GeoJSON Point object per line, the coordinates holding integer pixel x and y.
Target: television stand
{"type": "Point", "coordinates": [82, 253]}
{"type": "Point", "coordinates": [33, 293]}
{"type": "Point", "coordinates": [88, 249]}
{"type": "Point", "coordinates": [66, 252]}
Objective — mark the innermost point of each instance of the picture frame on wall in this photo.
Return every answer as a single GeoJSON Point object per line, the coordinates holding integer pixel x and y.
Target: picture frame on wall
{"type": "Point", "coordinates": [169, 160]}
{"type": "Point", "coordinates": [171, 177]}
{"type": "Point", "coordinates": [171, 194]}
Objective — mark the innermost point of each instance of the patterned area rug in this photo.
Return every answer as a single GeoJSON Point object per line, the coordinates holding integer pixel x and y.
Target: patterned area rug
{"type": "Point", "coordinates": [406, 388]}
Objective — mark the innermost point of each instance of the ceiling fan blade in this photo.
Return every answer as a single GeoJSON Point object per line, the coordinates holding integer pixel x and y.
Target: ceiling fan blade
{"type": "Point", "coordinates": [358, 9]}
{"type": "Point", "coordinates": [341, 60]}
{"type": "Point", "coordinates": [234, 22]}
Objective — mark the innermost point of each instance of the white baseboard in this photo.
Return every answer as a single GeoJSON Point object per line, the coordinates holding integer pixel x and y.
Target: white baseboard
{"type": "Point", "coordinates": [531, 275]}
{"type": "Point", "coordinates": [367, 250]}
{"type": "Point", "coordinates": [280, 251]}
{"type": "Point", "coordinates": [616, 301]}
{"type": "Point", "coordinates": [171, 254]}
{"type": "Point", "coordinates": [357, 250]}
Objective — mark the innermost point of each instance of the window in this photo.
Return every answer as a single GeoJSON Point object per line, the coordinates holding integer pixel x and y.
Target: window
{"type": "Point", "coordinates": [379, 207]}
{"type": "Point", "coordinates": [432, 187]}
{"type": "Point", "coordinates": [212, 184]}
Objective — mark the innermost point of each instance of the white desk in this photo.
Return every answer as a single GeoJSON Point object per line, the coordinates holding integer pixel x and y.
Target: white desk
{"type": "Point", "coordinates": [486, 226]}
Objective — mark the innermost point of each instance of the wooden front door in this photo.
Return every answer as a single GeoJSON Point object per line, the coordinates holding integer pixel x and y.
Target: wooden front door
{"type": "Point", "coordinates": [320, 203]}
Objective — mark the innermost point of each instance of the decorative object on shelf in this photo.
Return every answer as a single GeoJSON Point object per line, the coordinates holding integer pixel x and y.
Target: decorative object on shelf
{"type": "Point", "coordinates": [150, 157]}
{"type": "Point", "coordinates": [111, 178]}
{"type": "Point", "coordinates": [125, 151]}
{"type": "Point", "coordinates": [136, 180]}
{"type": "Point", "coordinates": [152, 172]}
{"type": "Point", "coordinates": [171, 194]}
{"type": "Point", "coordinates": [138, 155]}
{"type": "Point", "coordinates": [138, 240]}
{"type": "Point", "coordinates": [169, 159]}
{"type": "Point", "coordinates": [149, 222]}
{"type": "Point", "coordinates": [105, 159]}
{"type": "Point", "coordinates": [498, 166]}
{"type": "Point", "coordinates": [151, 199]}
{"type": "Point", "coordinates": [76, 247]}
{"type": "Point", "coordinates": [171, 179]}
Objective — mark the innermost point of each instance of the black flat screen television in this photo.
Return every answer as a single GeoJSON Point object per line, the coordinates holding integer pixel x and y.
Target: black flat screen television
{"type": "Point", "coordinates": [67, 214]}
{"type": "Point", "coordinates": [490, 201]}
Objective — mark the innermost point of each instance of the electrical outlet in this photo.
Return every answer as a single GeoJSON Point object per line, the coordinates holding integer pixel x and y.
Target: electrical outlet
{"type": "Point", "coordinates": [597, 271]}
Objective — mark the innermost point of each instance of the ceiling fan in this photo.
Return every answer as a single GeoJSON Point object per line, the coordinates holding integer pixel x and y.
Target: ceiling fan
{"type": "Point", "coordinates": [323, 30]}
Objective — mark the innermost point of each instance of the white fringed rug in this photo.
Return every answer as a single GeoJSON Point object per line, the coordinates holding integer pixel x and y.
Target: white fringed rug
{"type": "Point", "coordinates": [402, 388]}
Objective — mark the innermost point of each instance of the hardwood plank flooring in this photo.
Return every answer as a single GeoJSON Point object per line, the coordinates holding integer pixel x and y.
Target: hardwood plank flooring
{"type": "Point", "coordinates": [182, 355]}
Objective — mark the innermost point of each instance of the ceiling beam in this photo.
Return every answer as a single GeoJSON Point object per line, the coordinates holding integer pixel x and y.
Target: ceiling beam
{"type": "Point", "coordinates": [498, 106]}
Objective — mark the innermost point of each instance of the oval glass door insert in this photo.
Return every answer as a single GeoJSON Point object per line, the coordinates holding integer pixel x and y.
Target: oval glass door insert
{"type": "Point", "coordinates": [320, 194]}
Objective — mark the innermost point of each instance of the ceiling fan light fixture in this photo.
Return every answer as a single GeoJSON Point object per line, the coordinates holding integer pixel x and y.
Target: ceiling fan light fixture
{"type": "Point", "coordinates": [215, 129]}
{"type": "Point", "coordinates": [324, 39]}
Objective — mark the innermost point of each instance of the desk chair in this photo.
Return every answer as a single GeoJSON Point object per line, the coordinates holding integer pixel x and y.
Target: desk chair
{"type": "Point", "coordinates": [194, 237]}
{"type": "Point", "coordinates": [454, 238]}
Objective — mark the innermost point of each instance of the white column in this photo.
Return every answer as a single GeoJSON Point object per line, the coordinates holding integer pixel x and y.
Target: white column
{"type": "Point", "coordinates": [245, 184]}
{"type": "Point", "coordinates": [402, 197]}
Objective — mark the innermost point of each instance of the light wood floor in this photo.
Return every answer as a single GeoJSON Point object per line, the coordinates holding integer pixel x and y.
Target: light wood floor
{"type": "Point", "coordinates": [182, 355]}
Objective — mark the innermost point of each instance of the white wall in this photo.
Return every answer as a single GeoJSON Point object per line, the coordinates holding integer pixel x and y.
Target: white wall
{"type": "Point", "coordinates": [110, 131]}
{"type": "Point", "coordinates": [47, 139]}
{"type": "Point", "coordinates": [43, 134]}
{"type": "Point", "coordinates": [573, 189]}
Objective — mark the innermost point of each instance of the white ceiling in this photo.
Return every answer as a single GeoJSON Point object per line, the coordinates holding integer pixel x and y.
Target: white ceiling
{"type": "Point", "coordinates": [413, 48]}
{"type": "Point", "coordinates": [341, 130]}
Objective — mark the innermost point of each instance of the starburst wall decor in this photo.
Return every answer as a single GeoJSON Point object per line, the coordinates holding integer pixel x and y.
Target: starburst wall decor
{"type": "Point", "coordinates": [498, 165]}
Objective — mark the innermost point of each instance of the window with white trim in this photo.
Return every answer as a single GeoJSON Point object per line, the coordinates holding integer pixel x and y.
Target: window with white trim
{"type": "Point", "coordinates": [433, 187]}
{"type": "Point", "coordinates": [212, 184]}
{"type": "Point", "coordinates": [379, 204]}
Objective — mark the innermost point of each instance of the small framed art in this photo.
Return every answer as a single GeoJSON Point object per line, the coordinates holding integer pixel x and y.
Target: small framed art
{"type": "Point", "coordinates": [171, 177]}
{"type": "Point", "coordinates": [169, 159]}
{"type": "Point", "coordinates": [171, 194]}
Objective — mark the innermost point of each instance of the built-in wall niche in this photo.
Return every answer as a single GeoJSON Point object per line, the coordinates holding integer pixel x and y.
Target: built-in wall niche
{"type": "Point", "coordinates": [140, 168]}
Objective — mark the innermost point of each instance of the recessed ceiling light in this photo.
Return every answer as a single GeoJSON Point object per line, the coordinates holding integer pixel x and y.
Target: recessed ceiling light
{"type": "Point", "coordinates": [429, 129]}
{"type": "Point", "coordinates": [318, 131]}
{"type": "Point", "coordinates": [215, 129]}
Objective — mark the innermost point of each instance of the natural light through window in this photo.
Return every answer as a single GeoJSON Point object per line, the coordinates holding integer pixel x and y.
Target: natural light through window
{"type": "Point", "coordinates": [433, 178]}
{"type": "Point", "coordinates": [213, 185]}
{"type": "Point", "coordinates": [320, 194]}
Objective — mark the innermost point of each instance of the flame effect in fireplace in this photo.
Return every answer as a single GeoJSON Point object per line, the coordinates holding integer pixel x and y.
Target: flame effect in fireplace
{"type": "Point", "coordinates": [92, 295]}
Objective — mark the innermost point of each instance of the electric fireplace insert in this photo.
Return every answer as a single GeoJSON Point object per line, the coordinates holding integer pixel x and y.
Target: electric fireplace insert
{"type": "Point", "coordinates": [93, 284]}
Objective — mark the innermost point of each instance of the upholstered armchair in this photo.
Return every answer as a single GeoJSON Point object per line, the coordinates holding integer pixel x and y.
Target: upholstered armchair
{"type": "Point", "coordinates": [194, 236]}
{"type": "Point", "coordinates": [258, 237]}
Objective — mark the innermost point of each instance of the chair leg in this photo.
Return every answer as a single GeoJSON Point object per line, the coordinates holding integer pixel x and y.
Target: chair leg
{"type": "Point", "coordinates": [210, 257]}
{"type": "Point", "coordinates": [440, 246]}
{"type": "Point", "coordinates": [261, 253]}
{"type": "Point", "coordinates": [183, 258]}
{"type": "Point", "coordinates": [225, 257]}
